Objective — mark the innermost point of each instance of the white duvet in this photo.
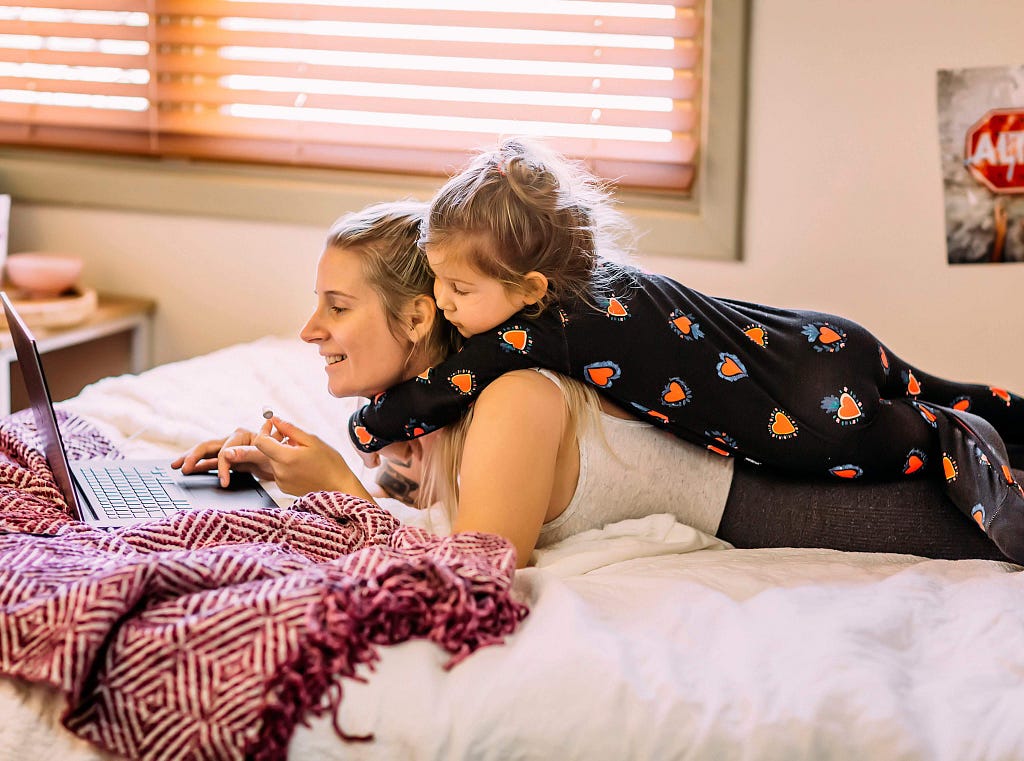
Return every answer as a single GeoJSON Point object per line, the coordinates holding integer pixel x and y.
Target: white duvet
{"type": "Point", "coordinates": [646, 639]}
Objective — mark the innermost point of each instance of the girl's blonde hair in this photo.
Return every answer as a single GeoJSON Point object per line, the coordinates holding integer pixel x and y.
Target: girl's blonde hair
{"type": "Point", "coordinates": [385, 236]}
{"type": "Point", "coordinates": [531, 210]}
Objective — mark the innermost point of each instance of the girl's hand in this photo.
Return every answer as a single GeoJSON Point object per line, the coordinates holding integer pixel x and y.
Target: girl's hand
{"type": "Point", "coordinates": [370, 459]}
{"type": "Point", "coordinates": [302, 462]}
{"type": "Point", "coordinates": [236, 452]}
{"type": "Point", "coordinates": [401, 469]}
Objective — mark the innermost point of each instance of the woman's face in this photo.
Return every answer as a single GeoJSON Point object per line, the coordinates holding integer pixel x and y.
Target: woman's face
{"type": "Point", "coordinates": [351, 331]}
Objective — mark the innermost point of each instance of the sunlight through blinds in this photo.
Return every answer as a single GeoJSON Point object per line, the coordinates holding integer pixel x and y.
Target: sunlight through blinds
{"type": "Point", "coordinates": [408, 85]}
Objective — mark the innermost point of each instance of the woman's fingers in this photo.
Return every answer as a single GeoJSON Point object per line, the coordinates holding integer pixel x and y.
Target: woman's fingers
{"type": "Point", "coordinates": [291, 432]}
{"type": "Point", "coordinates": [267, 429]}
{"type": "Point", "coordinates": [208, 463]}
{"type": "Point", "coordinates": [193, 460]}
{"type": "Point", "coordinates": [282, 439]}
{"type": "Point", "coordinates": [236, 452]}
{"type": "Point", "coordinates": [245, 458]}
{"type": "Point", "coordinates": [302, 462]}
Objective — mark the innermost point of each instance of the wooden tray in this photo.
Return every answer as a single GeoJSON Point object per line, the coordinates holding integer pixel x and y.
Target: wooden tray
{"type": "Point", "coordinates": [70, 308]}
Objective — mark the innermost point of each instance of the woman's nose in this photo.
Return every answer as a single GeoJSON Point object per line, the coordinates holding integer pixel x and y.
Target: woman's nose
{"type": "Point", "coordinates": [311, 331]}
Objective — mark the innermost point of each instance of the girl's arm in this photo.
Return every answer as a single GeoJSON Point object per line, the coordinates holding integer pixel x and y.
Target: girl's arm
{"type": "Point", "coordinates": [443, 394]}
{"type": "Point", "coordinates": [509, 461]}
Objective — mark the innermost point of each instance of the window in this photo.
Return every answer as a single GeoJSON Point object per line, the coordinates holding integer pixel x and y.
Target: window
{"type": "Point", "coordinates": [403, 86]}
{"type": "Point", "coordinates": [400, 85]}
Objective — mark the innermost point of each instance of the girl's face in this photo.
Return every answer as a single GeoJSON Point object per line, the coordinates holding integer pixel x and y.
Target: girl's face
{"type": "Point", "coordinates": [349, 327]}
{"type": "Point", "coordinates": [472, 301]}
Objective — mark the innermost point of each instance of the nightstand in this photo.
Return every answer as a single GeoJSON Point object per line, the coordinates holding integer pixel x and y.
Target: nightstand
{"type": "Point", "coordinates": [113, 340]}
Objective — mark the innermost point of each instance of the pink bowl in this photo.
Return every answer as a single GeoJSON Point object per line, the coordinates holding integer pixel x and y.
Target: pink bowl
{"type": "Point", "coordinates": [42, 275]}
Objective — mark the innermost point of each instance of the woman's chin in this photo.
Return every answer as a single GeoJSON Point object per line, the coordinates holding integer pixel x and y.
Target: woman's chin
{"type": "Point", "coordinates": [340, 390]}
{"type": "Point", "coordinates": [345, 390]}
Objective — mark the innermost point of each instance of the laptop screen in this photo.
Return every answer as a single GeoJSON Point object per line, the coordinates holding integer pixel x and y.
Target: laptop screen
{"type": "Point", "coordinates": [42, 406]}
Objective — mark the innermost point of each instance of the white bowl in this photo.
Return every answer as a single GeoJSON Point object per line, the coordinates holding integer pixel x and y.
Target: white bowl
{"type": "Point", "coordinates": [41, 275]}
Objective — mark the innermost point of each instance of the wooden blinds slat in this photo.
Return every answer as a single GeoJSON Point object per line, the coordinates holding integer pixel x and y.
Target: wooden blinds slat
{"type": "Point", "coordinates": [73, 72]}
{"type": "Point", "coordinates": [363, 84]}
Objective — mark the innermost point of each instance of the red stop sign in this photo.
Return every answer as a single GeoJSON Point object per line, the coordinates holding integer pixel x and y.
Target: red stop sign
{"type": "Point", "coordinates": [994, 150]}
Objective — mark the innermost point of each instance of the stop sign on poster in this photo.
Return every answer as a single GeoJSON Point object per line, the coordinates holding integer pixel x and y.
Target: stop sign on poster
{"type": "Point", "coordinates": [994, 150]}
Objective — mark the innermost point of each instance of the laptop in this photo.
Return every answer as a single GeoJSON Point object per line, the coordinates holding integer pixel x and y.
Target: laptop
{"type": "Point", "coordinates": [112, 493]}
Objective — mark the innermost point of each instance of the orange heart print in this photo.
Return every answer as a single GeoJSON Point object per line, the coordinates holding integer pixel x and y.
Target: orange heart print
{"type": "Point", "coordinates": [848, 407]}
{"type": "Point", "coordinates": [463, 381]}
{"type": "Point", "coordinates": [782, 426]}
{"type": "Point", "coordinates": [683, 323]}
{"type": "Point", "coordinates": [949, 467]}
{"type": "Point", "coordinates": [757, 334]}
{"type": "Point", "coordinates": [674, 393]}
{"type": "Point", "coordinates": [730, 368]}
{"type": "Point", "coordinates": [827, 335]}
{"type": "Point", "coordinates": [846, 472]}
{"type": "Point", "coordinates": [516, 338]}
{"type": "Point", "coordinates": [601, 374]}
{"type": "Point", "coordinates": [914, 463]}
{"type": "Point", "coordinates": [913, 387]}
{"type": "Point", "coordinates": [1001, 393]}
{"type": "Point", "coordinates": [616, 308]}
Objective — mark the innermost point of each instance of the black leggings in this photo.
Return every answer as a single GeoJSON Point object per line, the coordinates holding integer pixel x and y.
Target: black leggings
{"type": "Point", "coordinates": [891, 423]}
{"type": "Point", "coordinates": [768, 508]}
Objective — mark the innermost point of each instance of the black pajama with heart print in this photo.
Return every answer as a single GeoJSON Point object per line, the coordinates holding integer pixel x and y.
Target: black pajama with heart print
{"type": "Point", "coordinates": [799, 391]}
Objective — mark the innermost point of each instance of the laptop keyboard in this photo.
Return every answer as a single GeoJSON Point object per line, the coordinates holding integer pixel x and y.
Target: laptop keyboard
{"type": "Point", "coordinates": [128, 492]}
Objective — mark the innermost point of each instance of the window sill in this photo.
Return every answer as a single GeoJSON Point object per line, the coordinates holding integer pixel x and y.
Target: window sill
{"type": "Point", "coordinates": [292, 195]}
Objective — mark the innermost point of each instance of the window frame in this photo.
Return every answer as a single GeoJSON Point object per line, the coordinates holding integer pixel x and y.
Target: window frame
{"type": "Point", "coordinates": [706, 225]}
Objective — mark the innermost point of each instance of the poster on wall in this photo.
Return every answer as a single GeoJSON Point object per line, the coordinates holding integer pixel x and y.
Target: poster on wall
{"type": "Point", "coordinates": [981, 139]}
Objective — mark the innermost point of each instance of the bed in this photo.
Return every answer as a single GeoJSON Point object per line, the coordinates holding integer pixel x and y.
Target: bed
{"type": "Point", "coordinates": [643, 640]}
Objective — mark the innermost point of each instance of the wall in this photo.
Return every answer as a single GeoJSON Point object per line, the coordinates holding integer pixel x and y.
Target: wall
{"type": "Point", "coordinates": [844, 207]}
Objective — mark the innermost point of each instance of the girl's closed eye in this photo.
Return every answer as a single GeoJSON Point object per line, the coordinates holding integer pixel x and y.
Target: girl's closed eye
{"type": "Point", "coordinates": [457, 291]}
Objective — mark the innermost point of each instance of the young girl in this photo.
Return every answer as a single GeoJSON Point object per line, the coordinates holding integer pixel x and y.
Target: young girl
{"type": "Point", "coordinates": [518, 243]}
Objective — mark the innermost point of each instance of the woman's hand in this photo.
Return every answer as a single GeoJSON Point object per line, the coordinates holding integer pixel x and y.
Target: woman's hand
{"type": "Point", "coordinates": [236, 452]}
{"type": "Point", "coordinates": [302, 462]}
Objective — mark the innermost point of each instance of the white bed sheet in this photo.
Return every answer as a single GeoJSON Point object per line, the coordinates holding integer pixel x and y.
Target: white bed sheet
{"type": "Point", "coordinates": [646, 639]}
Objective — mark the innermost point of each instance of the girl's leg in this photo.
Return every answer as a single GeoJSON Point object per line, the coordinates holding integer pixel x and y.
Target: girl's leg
{"type": "Point", "coordinates": [1002, 409]}
{"type": "Point", "coordinates": [979, 479]}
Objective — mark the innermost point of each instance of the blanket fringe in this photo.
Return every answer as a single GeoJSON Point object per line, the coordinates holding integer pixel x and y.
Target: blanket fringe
{"type": "Point", "coordinates": [454, 606]}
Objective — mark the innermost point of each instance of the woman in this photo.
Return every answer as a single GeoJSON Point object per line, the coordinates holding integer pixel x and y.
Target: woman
{"type": "Point", "coordinates": [541, 457]}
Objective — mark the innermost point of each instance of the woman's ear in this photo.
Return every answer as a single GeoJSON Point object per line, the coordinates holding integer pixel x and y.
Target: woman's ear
{"type": "Point", "coordinates": [421, 313]}
{"type": "Point", "coordinates": [535, 287]}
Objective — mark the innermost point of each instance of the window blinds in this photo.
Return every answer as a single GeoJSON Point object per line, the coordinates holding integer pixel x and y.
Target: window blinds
{"type": "Point", "coordinates": [403, 85]}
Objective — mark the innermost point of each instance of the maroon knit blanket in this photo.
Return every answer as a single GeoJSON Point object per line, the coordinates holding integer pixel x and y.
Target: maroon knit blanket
{"type": "Point", "coordinates": [211, 634]}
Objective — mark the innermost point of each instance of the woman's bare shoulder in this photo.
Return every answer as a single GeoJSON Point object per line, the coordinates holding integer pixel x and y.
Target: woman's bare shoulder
{"type": "Point", "coordinates": [527, 390]}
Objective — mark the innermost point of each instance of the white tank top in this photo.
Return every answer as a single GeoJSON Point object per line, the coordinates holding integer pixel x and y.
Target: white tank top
{"type": "Point", "coordinates": [641, 470]}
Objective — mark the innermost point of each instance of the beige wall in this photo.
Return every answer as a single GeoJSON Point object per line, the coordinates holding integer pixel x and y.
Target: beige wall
{"type": "Point", "coordinates": [843, 202]}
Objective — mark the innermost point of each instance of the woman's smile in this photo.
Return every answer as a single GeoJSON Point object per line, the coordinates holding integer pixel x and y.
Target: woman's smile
{"type": "Point", "coordinates": [349, 313]}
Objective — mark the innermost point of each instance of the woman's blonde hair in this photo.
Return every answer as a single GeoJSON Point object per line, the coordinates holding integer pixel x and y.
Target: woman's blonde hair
{"type": "Point", "coordinates": [531, 209]}
{"type": "Point", "coordinates": [385, 237]}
